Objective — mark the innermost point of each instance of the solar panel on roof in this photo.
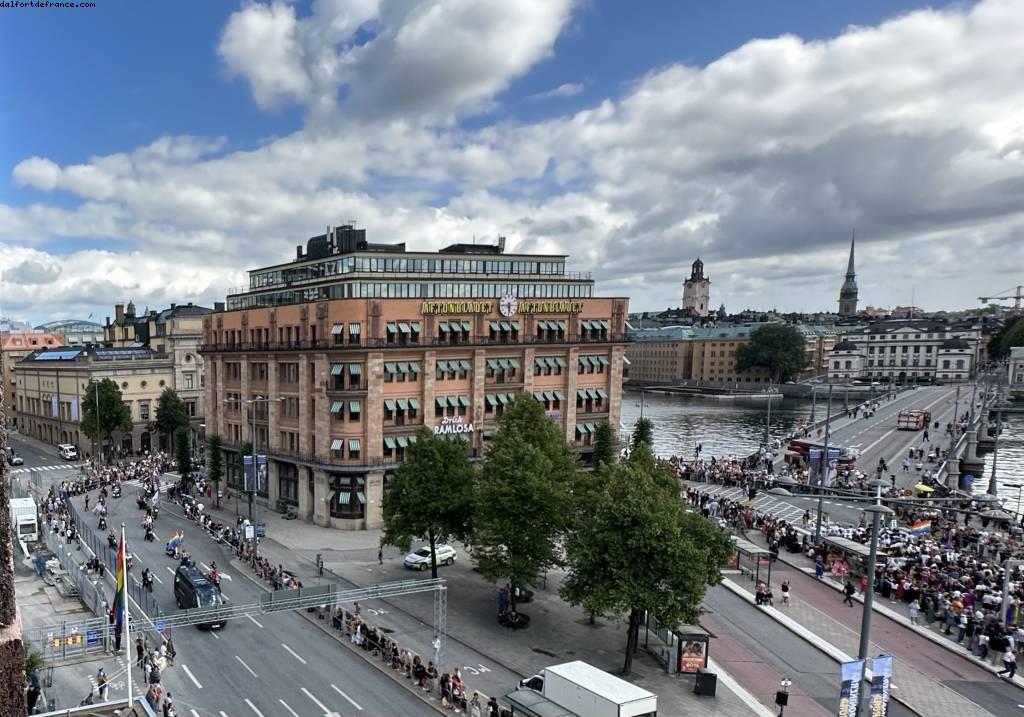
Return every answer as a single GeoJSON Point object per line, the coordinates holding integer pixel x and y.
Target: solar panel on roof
{"type": "Point", "coordinates": [57, 355]}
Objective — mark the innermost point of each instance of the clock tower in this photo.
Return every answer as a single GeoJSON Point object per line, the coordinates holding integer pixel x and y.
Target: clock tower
{"type": "Point", "coordinates": [697, 290]}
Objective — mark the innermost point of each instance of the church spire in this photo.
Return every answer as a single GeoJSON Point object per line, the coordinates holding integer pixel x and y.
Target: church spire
{"type": "Point", "coordinates": [848, 292]}
{"type": "Point", "coordinates": [849, 267]}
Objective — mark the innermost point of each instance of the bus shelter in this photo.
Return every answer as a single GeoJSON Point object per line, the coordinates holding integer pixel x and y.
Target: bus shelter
{"type": "Point", "coordinates": [751, 559]}
{"type": "Point", "coordinates": [847, 557]}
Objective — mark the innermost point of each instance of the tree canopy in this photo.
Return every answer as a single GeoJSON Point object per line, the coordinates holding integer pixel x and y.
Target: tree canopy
{"type": "Point", "coordinates": [643, 432]}
{"type": "Point", "coordinates": [183, 455]}
{"type": "Point", "coordinates": [605, 445]}
{"type": "Point", "coordinates": [779, 348]}
{"type": "Point", "coordinates": [171, 413]}
{"type": "Point", "coordinates": [1012, 334]}
{"type": "Point", "coordinates": [114, 414]}
{"type": "Point", "coordinates": [522, 495]}
{"type": "Point", "coordinates": [431, 495]}
{"type": "Point", "coordinates": [215, 463]}
{"type": "Point", "coordinates": [639, 549]}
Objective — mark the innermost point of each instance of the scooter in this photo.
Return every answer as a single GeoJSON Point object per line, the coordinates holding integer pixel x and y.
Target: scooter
{"type": "Point", "coordinates": [150, 535]}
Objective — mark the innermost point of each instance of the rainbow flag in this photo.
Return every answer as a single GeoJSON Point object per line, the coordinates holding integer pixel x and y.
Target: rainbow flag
{"type": "Point", "coordinates": [176, 540]}
{"type": "Point", "coordinates": [921, 527]}
{"type": "Point", "coordinates": [120, 582]}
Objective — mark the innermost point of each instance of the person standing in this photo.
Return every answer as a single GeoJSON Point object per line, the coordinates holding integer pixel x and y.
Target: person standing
{"type": "Point", "coordinates": [785, 592]}
{"type": "Point", "coordinates": [914, 608]}
{"type": "Point", "coordinates": [848, 591]}
{"type": "Point", "coordinates": [819, 568]}
{"type": "Point", "coordinates": [102, 684]}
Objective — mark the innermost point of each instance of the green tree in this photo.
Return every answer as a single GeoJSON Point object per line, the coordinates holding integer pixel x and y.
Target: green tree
{"type": "Point", "coordinates": [643, 432]}
{"type": "Point", "coordinates": [522, 495]}
{"type": "Point", "coordinates": [114, 414]}
{"type": "Point", "coordinates": [778, 348]}
{"type": "Point", "coordinates": [431, 496]}
{"type": "Point", "coordinates": [171, 414]}
{"type": "Point", "coordinates": [605, 445]}
{"type": "Point", "coordinates": [640, 550]}
{"type": "Point", "coordinates": [183, 455]}
{"type": "Point", "coordinates": [1012, 334]}
{"type": "Point", "coordinates": [215, 463]}
{"type": "Point", "coordinates": [12, 650]}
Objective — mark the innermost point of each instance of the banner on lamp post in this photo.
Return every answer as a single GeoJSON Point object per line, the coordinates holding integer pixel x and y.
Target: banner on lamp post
{"type": "Point", "coordinates": [881, 678]}
{"type": "Point", "coordinates": [259, 482]}
{"type": "Point", "coordinates": [849, 688]}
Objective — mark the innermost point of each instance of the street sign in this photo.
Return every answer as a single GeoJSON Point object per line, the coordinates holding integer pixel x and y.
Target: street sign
{"type": "Point", "coordinates": [159, 627]}
{"type": "Point", "coordinates": [92, 637]}
{"type": "Point", "coordinates": [261, 530]}
{"type": "Point", "coordinates": [248, 532]}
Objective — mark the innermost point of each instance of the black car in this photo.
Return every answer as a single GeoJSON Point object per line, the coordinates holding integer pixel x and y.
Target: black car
{"type": "Point", "coordinates": [194, 591]}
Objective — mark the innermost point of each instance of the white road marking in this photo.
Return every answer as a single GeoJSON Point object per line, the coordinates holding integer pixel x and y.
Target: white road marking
{"type": "Point", "coordinates": [157, 578]}
{"type": "Point", "coordinates": [321, 705]}
{"type": "Point", "coordinates": [254, 621]}
{"type": "Point", "coordinates": [285, 705]}
{"type": "Point", "coordinates": [294, 654]}
{"type": "Point", "coordinates": [242, 662]}
{"type": "Point", "coordinates": [215, 636]}
{"type": "Point", "coordinates": [191, 676]}
{"type": "Point", "coordinates": [194, 713]}
{"type": "Point", "coordinates": [351, 701]}
{"type": "Point", "coordinates": [253, 707]}
{"type": "Point", "coordinates": [222, 714]}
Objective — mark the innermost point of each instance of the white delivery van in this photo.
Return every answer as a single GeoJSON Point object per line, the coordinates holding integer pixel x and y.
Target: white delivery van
{"type": "Point", "coordinates": [25, 519]}
{"type": "Point", "coordinates": [582, 689]}
{"type": "Point", "coordinates": [68, 452]}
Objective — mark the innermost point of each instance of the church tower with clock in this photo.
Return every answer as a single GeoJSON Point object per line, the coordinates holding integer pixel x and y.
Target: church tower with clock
{"type": "Point", "coordinates": [697, 290]}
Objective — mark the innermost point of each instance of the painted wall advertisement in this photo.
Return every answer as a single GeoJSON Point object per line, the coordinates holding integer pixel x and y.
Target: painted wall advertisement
{"type": "Point", "coordinates": [261, 473]}
{"type": "Point", "coordinates": [849, 689]}
{"type": "Point", "coordinates": [881, 677]}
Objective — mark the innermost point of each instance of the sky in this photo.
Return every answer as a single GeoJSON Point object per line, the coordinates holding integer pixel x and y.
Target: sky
{"type": "Point", "coordinates": [155, 151]}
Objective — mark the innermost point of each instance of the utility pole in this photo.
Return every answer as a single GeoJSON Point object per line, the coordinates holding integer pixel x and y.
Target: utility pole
{"type": "Point", "coordinates": [876, 510]}
{"type": "Point", "coordinates": [768, 420]}
{"type": "Point", "coordinates": [825, 461]}
{"type": "Point", "coordinates": [993, 489]}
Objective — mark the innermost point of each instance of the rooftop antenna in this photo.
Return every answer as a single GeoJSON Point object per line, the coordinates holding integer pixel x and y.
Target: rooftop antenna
{"type": "Point", "coordinates": [913, 290]}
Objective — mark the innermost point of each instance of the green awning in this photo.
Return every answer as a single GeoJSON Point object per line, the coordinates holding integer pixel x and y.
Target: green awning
{"type": "Point", "coordinates": [605, 325]}
{"type": "Point", "coordinates": [505, 326]}
{"type": "Point", "coordinates": [355, 369]}
{"type": "Point", "coordinates": [361, 496]}
{"type": "Point", "coordinates": [389, 368]}
{"type": "Point", "coordinates": [591, 393]}
{"type": "Point", "coordinates": [581, 393]}
{"type": "Point", "coordinates": [344, 497]}
{"type": "Point", "coordinates": [403, 327]}
{"type": "Point", "coordinates": [402, 404]}
{"type": "Point", "coordinates": [560, 361]}
{"type": "Point", "coordinates": [581, 428]}
{"type": "Point", "coordinates": [336, 444]}
{"type": "Point", "coordinates": [443, 326]}
{"type": "Point", "coordinates": [413, 403]}
{"type": "Point", "coordinates": [538, 396]}
{"type": "Point", "coordinates": [337, 369]}
{"type": "Point", "coordinates": [389, 443]}
{"type": "Point", "coordinates": [492, 363]}
{"type": "Point", "coordinates": [402, 366]}
{"type": "Point", "coordinates": [488, 434]}
{"type": "Point", "coordinates": [403, 442]}
{"type": "Point", "coordinates": [603, 360]}
{"type": "Point", "coordinates": [495, 326]}
{"type": "Point", "coordinates": [601, 393]}
{"type": "Point", "coordinates": [559, 395]}
{"type": "Point", "coordinates": [392, 327]}
{"type": "Point", "coordinates": [513, 363]}
{"type": "Point", "coordinates": [441, 402]}
{"type": "Point", "coordinates": [515, 326]}
{"type": "Point", "coordinates": [549, 396]}
{"type": "Point", "coordinates": [583, 360]}
{"type": "Point", "coordinates": [502, 363]}
{"type": "Point", "coordinates": [415, 326]}
{"type": "Point", "coordinates": [337, 407]}
{"type": "Point", "coordinates": [491, 400]}
{"type": "Point", "coordinates": [466, 326]}
{"type": "Point", "coordinates": [353, 406]}
{"type": "Point", "coordinates": [453, 401]}
{"type": "Point", "coordinates": [542, 325]}
{"type": "Point", "coordinates": [442, 366]}
{"type": "Point", "coordinates": [414, 366]}
{"type": "Point", "coordinates": [337, 329]}
{"type": "Point", "coordinates": [592, 428]}
{"type": "Point", "coordinates": [502, 398]}
{"type": "Point", "coordinates": [353, 444]}
{"type": "Point", "coordinates": [464, 400]}
{"type": "Point", "coordinates": [562, 326]}
{"type": "Point", "coordinates": [585, 325]}
{"type": "Point", "coordinates": [540, 363]}
{"type": "Point", "coordinates": [464, 365]}
{"type": "Point", "coordinates": [353, 329]}
{"type": "Point", "coordinates": [389, 405]}
{"type": "Point", "coordinates": [412, 439]}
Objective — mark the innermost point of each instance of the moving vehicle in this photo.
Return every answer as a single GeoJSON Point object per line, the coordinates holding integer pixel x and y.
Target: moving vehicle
{"type": "Point", "coordinates": [913, 420]}
{"type": "Point", "coordinates": [797, 452]}
{"type": "Point", "coordinates": [13, 458]}
{"type": "Point", "coordinates": [420, 559]}
{"type": "Point", "coordinates": [25, 519]}
{"type": "Point", "coordinates": [584, 690]}
{"type": "Point", "coordinates": [192, 590]}
{"type": "Point", "coordinates": [68, 452]}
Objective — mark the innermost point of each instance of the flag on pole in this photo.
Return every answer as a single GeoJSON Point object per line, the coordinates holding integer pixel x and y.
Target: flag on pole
{"type": "Point", "coordinates": [121, 585]}
{"type": "Point", "coordinates": [176, 540]}
{"type": "Point", "coordinates": [921, 527]}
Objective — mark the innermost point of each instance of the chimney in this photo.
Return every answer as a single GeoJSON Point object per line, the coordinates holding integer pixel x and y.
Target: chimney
{"type": "Point", "coordinates": [118, 313]}
{"type": "Point", "coordinates": [298, 251]}
{"type": "Point", "coordinates": [173, 306]}
{"type": "Point", "coordinates": [218, 306]}
{"type": "Point", "coordinates": [189, 303]}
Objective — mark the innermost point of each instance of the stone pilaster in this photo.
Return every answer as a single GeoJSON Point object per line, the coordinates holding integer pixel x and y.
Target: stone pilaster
{"type": "Point", "coordinates": [528, 368]}
{"type": "Point", "coordinates": [273, 407]}
{"type": "Point", "coordinates": [306, 388]}
{"type": "Point", "coordinates": [570, 394]}
{"type": "Point", "coordinates": [479, 392]}
{"type": "Point", "coordinates": [373, 411]}
{"type": "Point", "coordinates": [273, 482]}
{"type": "Point", "coordinates": [306, 495]}
{"type": "Point", "coordinates": [320, 441]}
{"type": "Point", "coordinates": [429, 371]}
{"type": "Point", "coordinates": [374, 495]}
{"type": "Point", "coordinates": [321, 514]}
{"type": "Point", "coordinates": [615, 388]}
{"type": "Point", "coordinates": [246, 419]}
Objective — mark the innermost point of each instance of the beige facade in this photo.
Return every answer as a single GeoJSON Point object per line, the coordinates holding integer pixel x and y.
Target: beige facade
{"type": "Point", "coordinates": [52, 385]}
{"type": "Point", "coordinates": [13, 348]}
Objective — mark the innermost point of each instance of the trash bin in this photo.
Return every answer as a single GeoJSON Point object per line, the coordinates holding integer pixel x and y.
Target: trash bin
{"type": "Point", "coordinates": [707, 683]}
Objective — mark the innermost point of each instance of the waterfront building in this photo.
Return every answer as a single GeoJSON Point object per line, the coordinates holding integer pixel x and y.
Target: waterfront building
{"type": "Point", "coordinates": [908, 351]}
{"type": "Point", "coordinates": [1016, 372]}
{"type": "Point", "coordinates": [76, 332]}
{"type": "Point", "coordinates": [697, 291]}
{"type": "Point", "coordinates": [848, 292]}
{"type": "Point", "coordinates": [52, 383]}
{"type": "Point", "coordinates": [353, 346]}
{"type": "Point", "coordinates": [13, 348]}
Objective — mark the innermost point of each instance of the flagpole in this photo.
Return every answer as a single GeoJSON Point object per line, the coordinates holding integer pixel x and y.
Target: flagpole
{"type": "Point", "coordinates": [127, 616]}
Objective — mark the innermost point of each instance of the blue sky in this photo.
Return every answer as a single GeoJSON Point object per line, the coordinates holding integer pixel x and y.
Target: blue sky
{"type": "Point", "coordinates": [110, 81]}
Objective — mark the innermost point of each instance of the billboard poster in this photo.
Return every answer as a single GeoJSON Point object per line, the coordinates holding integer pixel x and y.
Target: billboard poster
{"type": "Point", "coordinates": [693, 656]}
{"type": "Point", "coordinates": [261, 474]}
{"type": "Point", "coordinates": [849, 688]}
{"type": "Point", "coordinates": [881, 669]}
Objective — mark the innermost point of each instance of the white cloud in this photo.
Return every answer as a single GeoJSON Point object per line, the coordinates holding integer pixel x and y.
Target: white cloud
{"type": "Point", "coordinates": [567, 89]}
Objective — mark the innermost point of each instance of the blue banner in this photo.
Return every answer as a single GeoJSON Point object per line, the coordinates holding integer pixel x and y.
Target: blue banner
{"type": "Point", "coordinates": [261, 474]}
{"type": "Point", "coordinates": [849, 688]}
{"type": "Point", "coordinates": [881, 678]}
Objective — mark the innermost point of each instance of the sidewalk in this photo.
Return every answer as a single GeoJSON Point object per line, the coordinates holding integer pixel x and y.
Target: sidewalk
{"type": "Point", "coordinates": [558, 632]}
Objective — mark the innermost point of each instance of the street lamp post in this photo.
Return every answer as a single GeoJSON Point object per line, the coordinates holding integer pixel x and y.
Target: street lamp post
{"type": "Point", "coordinates": [814, 403]}
{"type": "Point", "coordinates": [768, 420]}
{"type": "Point", "coordinates": [877, 511]}
{"type": "Point", "coordinates": [825, 461]}
{"type": "Point", "coordinates": [993, 488]}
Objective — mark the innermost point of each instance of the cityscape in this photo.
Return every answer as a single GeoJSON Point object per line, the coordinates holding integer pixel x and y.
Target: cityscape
{"type": "Point", "coordinates": [553, 359]}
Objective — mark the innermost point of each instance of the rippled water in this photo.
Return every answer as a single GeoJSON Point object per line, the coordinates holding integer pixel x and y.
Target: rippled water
{"type": "Point", "coordinates": [1010, 465]}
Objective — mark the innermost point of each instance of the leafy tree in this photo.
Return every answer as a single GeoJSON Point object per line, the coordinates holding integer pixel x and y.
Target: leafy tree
{"type": "Point", "coordinates": [215, 463]}
{"type": "Point", "coordinates": [431, 495]}
{"type": "Point", "coordinates": [779, 348]}
{"type": "Point", "coordinates": [1012, 334]}
{"type": "Point", "coordinates": [522, 496]}
{"type": "Point", "coordinates": [643, 432]}
{"type": "Point", "coordinates": [604, 444]}
{"type": "Point", "coordinates": [114, 414]}
{"type": "Point", "coordinates": [183, 454]}
{"type": "Point", "coordinates": [12, 650]}
{"type": "Point", "coordinates": [171, 414]}
{"type": "Point", "coordinates": [640, 550]}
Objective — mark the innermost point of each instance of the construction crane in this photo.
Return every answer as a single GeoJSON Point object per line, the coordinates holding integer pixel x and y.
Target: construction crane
{"type": "Point", "coordinates": [1005, 294]}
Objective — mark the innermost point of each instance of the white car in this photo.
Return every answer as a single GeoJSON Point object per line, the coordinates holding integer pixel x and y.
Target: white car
{"type": "Point", "coordinates": [420, 559]}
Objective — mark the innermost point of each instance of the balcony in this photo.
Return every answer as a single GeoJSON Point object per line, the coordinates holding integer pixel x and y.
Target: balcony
{"type": "Point", "coordinates": [425, 343]}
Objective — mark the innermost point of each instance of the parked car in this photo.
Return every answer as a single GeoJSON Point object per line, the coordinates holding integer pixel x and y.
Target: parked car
{"type": "Point", "coordinates": [13, 458]}
{"type": "Point", "coordinates": [420, 559]}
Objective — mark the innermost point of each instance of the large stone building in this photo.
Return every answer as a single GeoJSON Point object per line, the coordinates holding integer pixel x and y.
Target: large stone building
{"type": "Point", "coordinates": [76, 332]}
{"type": "Point", "coordinates": [908, 351]}
{"type": "Point", "coordinates": [697, 291]}
{"type": "Point", "coordinates": [13, 348]}
{"type": "Point", "coordinates": [177, 332]}
{"type": "Point", "coordinates": [1015, 370]}
{"type": "Point", "coordinates": [356, 345]}
{"type": "Point", "coordinates": [53, 383]}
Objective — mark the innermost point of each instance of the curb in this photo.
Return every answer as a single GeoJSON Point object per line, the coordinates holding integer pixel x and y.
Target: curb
{"type": "Point", "coordinates": [740, 691]}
